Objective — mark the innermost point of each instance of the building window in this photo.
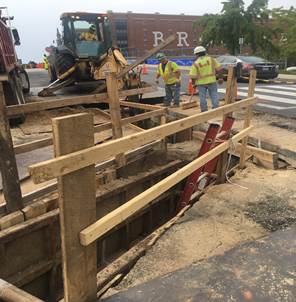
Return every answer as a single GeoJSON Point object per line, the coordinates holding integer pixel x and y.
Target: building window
{"type": "Point", "coordinates": [121, 33]}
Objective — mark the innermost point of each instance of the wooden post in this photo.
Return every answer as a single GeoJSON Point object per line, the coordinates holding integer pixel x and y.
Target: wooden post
{"type": "Point", "coordinates": [229, 98]}
{"type": "Point", "coordinates": [114, 106]}
{"type": "Point", "coordinates": [247, 122]}
{"type": "Point", "coordinates": [77, 203]}
{"type": "Point", "coordinates": [164, 141]}
{"type": "Point", "coordinates": [10, 179]}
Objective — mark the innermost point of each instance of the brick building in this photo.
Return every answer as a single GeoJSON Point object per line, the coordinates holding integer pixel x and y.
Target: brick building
{"type": "Point", "coordinates": [137, 33]}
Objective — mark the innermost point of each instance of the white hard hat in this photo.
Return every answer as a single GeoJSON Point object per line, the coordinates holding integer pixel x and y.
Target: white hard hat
{"type": "Point", "coordinates": [199, 49]}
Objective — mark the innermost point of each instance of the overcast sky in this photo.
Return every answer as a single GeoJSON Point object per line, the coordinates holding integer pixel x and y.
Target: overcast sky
{"type": "Point", "coordinates": [37, 20]}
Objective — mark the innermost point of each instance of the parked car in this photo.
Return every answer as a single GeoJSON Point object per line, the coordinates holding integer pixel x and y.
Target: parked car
{"type": "Point", "coordinates": [265, 69]}
{"type": "Point", "coordinates": [292, 68]}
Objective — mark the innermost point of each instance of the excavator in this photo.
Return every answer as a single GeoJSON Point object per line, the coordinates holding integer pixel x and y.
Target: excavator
{"type": "Point", "coordinates": [85, 52]}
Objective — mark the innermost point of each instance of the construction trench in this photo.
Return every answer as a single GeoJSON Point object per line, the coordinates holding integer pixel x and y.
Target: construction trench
{"type": "Point", "coordinates": [125, 236]}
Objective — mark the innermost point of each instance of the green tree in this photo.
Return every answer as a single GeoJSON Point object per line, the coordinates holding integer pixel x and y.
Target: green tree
{"type": "Point", "coordinates": [235, 21]}
{"type": "Point", "coordinates": [284, 20]}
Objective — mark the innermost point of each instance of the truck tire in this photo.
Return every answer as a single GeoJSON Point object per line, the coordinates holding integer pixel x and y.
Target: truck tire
{"type": "Point", "coordinates": [25, 81]}
{"type": "Point", "coordinates": [13, 92]}
{"type": "Point", "coordinates": [63, 62]}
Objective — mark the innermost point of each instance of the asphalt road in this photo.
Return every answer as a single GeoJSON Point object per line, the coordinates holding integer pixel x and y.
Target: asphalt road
{"type": "Point", "coordinates": [275, 98]}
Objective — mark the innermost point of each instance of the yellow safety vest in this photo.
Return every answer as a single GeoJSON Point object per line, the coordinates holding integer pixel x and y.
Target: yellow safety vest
{"type": "Point", "coordinates": [45, 61]}
{"type": "Point", "coordinates": [168, 75]}
{"type": "Point", "coordinates": [205, 68]}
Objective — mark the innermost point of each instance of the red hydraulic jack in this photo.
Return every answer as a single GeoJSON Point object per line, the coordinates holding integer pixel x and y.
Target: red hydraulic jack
{"type": "Point", "coordinates": [199, 179]}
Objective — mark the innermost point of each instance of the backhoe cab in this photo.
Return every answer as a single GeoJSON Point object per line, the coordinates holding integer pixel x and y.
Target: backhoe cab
{"type": "Point", "coordinates": [84, 53]}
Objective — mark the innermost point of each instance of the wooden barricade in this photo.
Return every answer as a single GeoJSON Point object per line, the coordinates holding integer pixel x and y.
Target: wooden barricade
{"type": "Point", "coordinates": [72, 162]}
{"type": "Point", "coordinates": [12, 191]}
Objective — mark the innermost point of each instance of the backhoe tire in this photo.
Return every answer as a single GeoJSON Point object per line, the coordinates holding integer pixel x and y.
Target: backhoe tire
{"type": "Point", "coordinates": [63, 63]}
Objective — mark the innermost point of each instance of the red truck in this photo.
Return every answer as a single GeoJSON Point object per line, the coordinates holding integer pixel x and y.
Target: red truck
{"type": "Point", "coordinates": [12, 74]}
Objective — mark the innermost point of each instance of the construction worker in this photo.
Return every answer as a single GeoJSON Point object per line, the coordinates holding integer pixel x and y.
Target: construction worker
{"type": "Point", "coordinates": [45, 62]}
{"type": "Point", "coordinates": [170, 73]}
{"type": "Point", "coordinates": [90, 35]}
{"type": "Point", "coordinates": [203, 74]}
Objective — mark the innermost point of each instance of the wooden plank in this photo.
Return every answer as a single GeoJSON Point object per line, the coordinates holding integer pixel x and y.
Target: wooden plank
{"type": "Point", "coordinates": [29, 226]}
{"type": "Point", "coordinates": [229, 99]}
{"type": "Point", "coordinates": [139, 105]}
{"type": "Point", "coordinates": [45, 104]}
{"type": "Point", "coordinates": [229, 85]}
{"type": "Point", "coordinates": [10, 179]}
{"type": "Point", "coordinates": [130, 155]}
{"type": "Point", "coordinates": [114, 107]}
{"type": "Point", "coordinates": [27, 147]}
{"type": "Point", "coordinates": [11, 293]}
{"type": "Point", "coordinates": [3, 78]}
{"type": "Point", "coordinates": [132, 119]}
{"type": "Point", "coordinates": [163, 121]}
{"type": "Point", "coordinates": [56, 103]}
{"type": "Point", "coordinates": [264, 158]}
{"type": "Point", "coordinates": [115, 114]}
{"type": "Point", "coordinates": [77, 204]}
{"type": "Point", "coordinates": [65, 164]}
{"type": "Point", "coordinates": [112, 219]}
{"type": "Point", "coordinates": [248, 117]}
{"type": "Point", "coordinates": [135, 127]}
{"type": "Point", "coordinates": [149, 54]}
{"type": "Point", "coordinates": [11, 219]}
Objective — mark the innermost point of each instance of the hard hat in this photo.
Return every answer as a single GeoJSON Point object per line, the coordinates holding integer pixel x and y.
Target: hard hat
{"type": "Point", "coordinates": [160, 56]}
{"type": "Point", "coordinates": [199, 49]}
{"type": "Point", "coordinates": [92, 28]}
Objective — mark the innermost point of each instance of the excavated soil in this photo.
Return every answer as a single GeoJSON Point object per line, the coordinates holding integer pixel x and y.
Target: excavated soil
{"type": "Point", "coordinates": [256, 202]}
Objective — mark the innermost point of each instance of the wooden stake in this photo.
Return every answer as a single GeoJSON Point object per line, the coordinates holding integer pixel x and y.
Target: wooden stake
{"type": "Point", "coordinates": [164, 141]}
{"type": "Point", "coordinates": [114, 106]}
{"type": "Point", "coordinates": [229, 98]}
{"type": "Point", "coordinates": [10, 179]}
{"type": "Point", "coordinates": [248, 117]}
{"type": "Point", "coordinates": [77, 203]}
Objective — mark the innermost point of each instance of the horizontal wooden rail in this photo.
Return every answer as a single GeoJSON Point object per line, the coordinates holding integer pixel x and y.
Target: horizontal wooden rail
{"type": "Point", "coordinates": [11, 293]}
{"type": "Point", "coordinates": [114, 218]}
{"type": "Point", "coordinates": [63, 165]}
{"type": "Point", "coordinates": [78, 100]}
{"type": "Point", "coordinates": [139, 105]}
{"type": "Point", "coordinates": [132, 119]}
{"type": "Point", "coordinates": [27, 147]}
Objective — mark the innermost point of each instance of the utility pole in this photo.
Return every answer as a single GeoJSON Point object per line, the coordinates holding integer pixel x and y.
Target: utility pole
{"type": "Point", "coordinates": [241, 43]}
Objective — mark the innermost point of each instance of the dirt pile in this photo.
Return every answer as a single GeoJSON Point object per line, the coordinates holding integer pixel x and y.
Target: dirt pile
{"type": "Point", "coordinates": [258, 201]}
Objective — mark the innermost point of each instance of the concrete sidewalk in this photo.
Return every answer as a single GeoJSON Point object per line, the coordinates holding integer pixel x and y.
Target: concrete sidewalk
{"type": "Point", "coordinates": [287, 76]}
